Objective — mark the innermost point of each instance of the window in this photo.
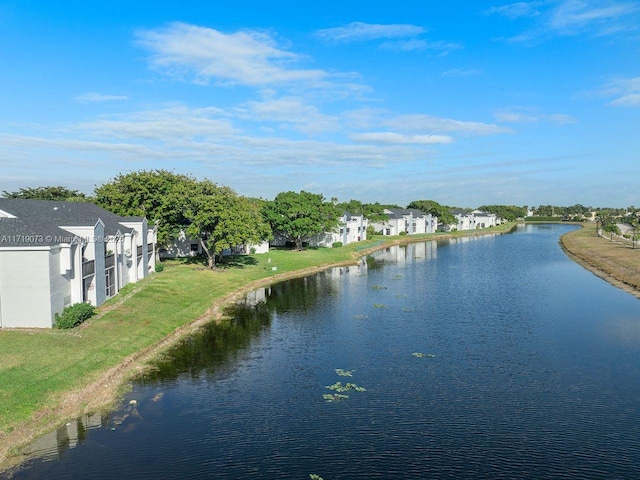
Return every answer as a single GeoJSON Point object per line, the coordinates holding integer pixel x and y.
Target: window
{"type": "Point", "coordinates": [194, 247]}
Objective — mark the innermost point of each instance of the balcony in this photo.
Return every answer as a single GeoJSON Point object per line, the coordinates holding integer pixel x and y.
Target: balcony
{"type": "Point", "coordinates": [88, 268]}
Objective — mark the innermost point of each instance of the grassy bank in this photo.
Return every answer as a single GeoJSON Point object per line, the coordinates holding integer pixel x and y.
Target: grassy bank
{"type": "Point", "coordinates": [47, 376]}
{"type": "Point", "coordinates": [616, 262]}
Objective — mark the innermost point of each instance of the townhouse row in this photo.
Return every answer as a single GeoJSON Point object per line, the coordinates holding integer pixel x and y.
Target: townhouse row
{"type": "Point", "coordinates": [54, 254]}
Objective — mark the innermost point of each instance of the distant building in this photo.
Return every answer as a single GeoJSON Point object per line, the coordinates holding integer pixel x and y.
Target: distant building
{"type": "Point", "coordinates": [474, 220]}
{"type": "Point", "coordinates": [185, 246]}
{"type": "Point", "coordinates": [409, 221]}
{"type": "Point", "coordinates": [54, 254]}
{"type": "Point", "coordinates": [351, 228]}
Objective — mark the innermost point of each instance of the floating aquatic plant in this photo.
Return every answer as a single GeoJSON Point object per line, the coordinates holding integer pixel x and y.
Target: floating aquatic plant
{"type": "Point", "coordinates": [378, 287]}
{"type": "Point", "coordinates": [397, 277]}
{"type": "Point", "coordinates": [344, 373]}
{"type": "Point", "coordinates": [407, 309]}
{"type": "Point", "coordinates": [360, 316]}
{"type": "Point", "coordinates": [338, 387]}
{"type": "Point", "coordinates": [401, 295]}
{"type": "Point", "coordinates": [334, 397]}
{"type": "Point", "coordinates": [379, 305]}
{"type": "Point", "coordinates": [313, 476]}
{"type": "Point", "coordinates": [423, 355]}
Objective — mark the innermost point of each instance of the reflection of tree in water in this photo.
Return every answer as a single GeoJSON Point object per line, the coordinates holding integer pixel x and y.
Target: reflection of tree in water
{"type": "Point", "coordinates": [215, 343]}
{"type": "Point", "coordinates": [297, 295]}
{"type": "Point", "coordinates": [211, 345]}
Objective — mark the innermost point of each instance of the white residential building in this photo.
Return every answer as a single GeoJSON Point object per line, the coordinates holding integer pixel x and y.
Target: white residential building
{"type": "Point", "coordinates": [351, 228]}
{"type": "Point", "coordinates": [185, 246]}
{"type": "Point", "coordinates": [409, 221]}
{"type": "Point", "coordinates": [54, 254]}
{"type": "Point", "coordinates": [474, 220]}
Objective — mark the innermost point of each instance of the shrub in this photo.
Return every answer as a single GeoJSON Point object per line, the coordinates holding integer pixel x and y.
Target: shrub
{"type": "Point", "coordinates": [74, 315]}
{"type": "Point", "coordinates": [403, 233]}
{"type": "Point", "coordinates": [336, 244]}
{"type": "Point", "coordinates": [159, 267]}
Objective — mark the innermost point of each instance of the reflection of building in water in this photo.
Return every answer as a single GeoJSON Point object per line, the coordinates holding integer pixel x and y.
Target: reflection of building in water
{"type": "Point", "coordinates": [338, 273]}
{"type": "Point", "coordinates": [53, 444]}
{"type": "Point", "coordinates": [412, 252]}
{"type": "Point", "coordinates": [257, 296]}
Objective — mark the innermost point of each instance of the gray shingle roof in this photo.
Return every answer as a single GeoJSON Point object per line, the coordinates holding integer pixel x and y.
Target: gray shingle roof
{"type": "Point", "coordinates": [401, 212]}
{"type": "Point", "coordinates": [38, 222]}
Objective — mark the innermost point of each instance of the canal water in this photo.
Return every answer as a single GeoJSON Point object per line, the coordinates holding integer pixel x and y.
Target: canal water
{"type": "Point", "coordinates": [476, 358]}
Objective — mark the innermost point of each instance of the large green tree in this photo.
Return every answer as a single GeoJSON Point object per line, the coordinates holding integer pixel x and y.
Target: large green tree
{"type": "Point", "coordinates": [48, 193]}
{"type": "Point", "coordinates": [299, 216]}
{"type": "Point", "coordinates": [221, 219]}
{"type": "Point", "coordinates": [159, 195]}
{"type": "Point", "coordinates": [372, 211]}
{"type": "Point", "coordinates": [506, 212]}
{"type": "Point", "coordinates": [443, 212]}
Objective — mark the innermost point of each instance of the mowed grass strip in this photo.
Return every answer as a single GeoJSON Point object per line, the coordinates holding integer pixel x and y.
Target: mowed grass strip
{"type": "Point", "coordinates": [613, 259]}
{"type": "Point", "coordinates": [37, 366]}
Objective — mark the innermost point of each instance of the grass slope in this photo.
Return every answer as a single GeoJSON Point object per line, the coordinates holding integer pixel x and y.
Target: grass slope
{"type": "Point", "coordinates": [614, 261]}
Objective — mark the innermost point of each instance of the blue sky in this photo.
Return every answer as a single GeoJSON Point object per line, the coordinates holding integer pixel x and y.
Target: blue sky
{"type": "Point", "coordinates": [462, 102]}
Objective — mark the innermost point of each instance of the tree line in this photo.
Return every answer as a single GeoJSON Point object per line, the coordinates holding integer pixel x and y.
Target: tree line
{"type": "Point", "coordinates": [220, 219]}
{"type": "Point", "coordinates": [215, 215]}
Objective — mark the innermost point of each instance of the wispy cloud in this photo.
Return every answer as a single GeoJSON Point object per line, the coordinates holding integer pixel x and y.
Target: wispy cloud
{"type": "Point", "coordinates": [98, 98]}
{"type": "Point", "coordinates": [516, 10]}
{"type": "Point", "coordinates": [361, 32]}
{"type": "Point", "coordinates": [289, 113]}
{"type": "Point", "coordinates": [528, 115]}
{"type": "Point", "coordinates": [569, 17]}
{"type": "Point", "coordinates": [444, 48]}
{"type": "Point", "coordinates": [170, 123]}
{"type": "Point", "coordinates": [427, 124]}
{"type": "Point", "coordinates": [200, 54]}
{"type": "Point", "coordinates": [396, 37]}
{"type": "Point", "coordinates": [576, 16]}
{"type": "Point", "coordinates": [393, 138]}
{"type": "Point", "coordinates": [461, 72]}
{"type": "Point", "coordinates": [625, 90]}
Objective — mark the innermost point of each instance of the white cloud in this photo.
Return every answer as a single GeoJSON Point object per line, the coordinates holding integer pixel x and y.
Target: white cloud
{"type": "Point", "coordinates": [359, 32]}
{"type": "Point", "coordinates": [421, 123]}
{"type": "Point", "coordinates": [201, 54]}
{"type": "Point", "coordinates": [573, 16]}
{"type": "Point", "coordinates": [169, 123]}
{"type": "Point", "coordinates": [570, 17]}
{"type": "Point", "coordinates": [399, 139]}
{"type": "Point", "coordinates": [531, 116]}
{"type": "Point", "coordinates": [627, 90]}
{"type": "Point", "coordinates": [98, 97]}
{"type": "Point", "coordinates": [461, 72]}
{"type": "Point", "coordinates": [289, 112]}
{"type": "Point", "coordinates": [631, 100]}
{"type": "Point", "coordinates": [516, 10]}
{"type": "Point", "coordinates": [416, 45]}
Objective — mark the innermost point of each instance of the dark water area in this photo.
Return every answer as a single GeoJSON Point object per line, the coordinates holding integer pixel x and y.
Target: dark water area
{"type": "Point", "coordinates": [481, 358]}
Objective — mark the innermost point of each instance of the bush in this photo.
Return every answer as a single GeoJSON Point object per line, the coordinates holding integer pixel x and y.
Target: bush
{"type": "Point", "coordinates": [403, 233]}
{"type": "Point", "coordinates": [74, 315]}
{"type": "Point", "coordinates": [336, 244]}
{"type": "Point", "coordinates": [159, 267]}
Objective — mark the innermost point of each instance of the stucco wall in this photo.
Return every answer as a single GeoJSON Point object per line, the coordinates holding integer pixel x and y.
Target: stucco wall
{"type": "Point", "coordinates": [25, 297]}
